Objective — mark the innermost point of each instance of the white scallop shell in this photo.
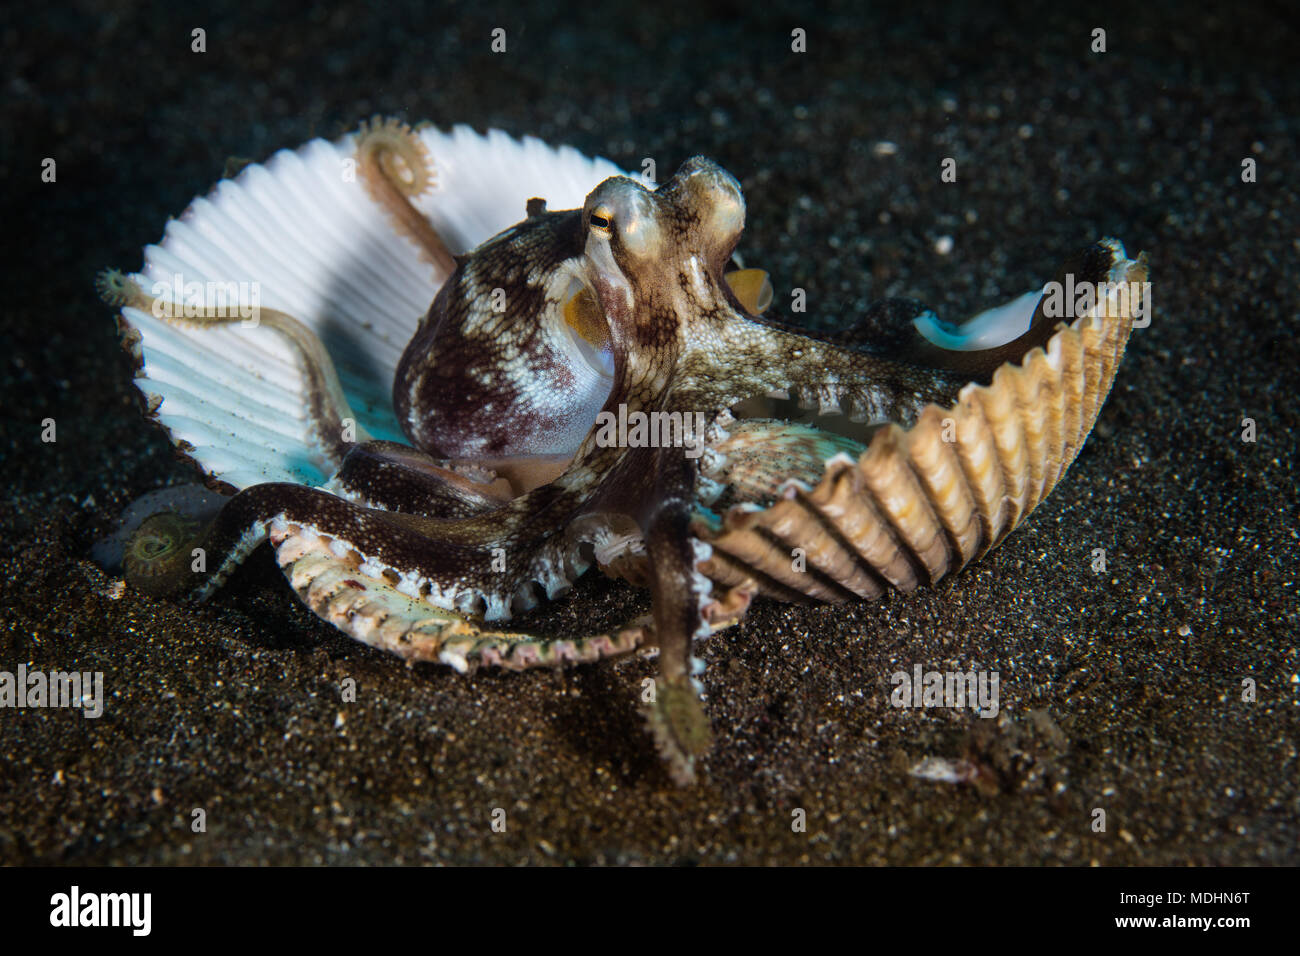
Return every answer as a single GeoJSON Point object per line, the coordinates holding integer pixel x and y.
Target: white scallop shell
{"type": "Point", "coordinates": [299, 233]}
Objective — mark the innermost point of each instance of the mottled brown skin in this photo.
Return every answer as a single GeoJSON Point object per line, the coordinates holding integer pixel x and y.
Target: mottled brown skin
{"type": "Point", "coordinates": [477, 384]}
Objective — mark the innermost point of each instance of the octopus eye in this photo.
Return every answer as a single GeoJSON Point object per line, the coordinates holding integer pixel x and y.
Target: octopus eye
{"type": "Point", "coordinates": [601, 220]}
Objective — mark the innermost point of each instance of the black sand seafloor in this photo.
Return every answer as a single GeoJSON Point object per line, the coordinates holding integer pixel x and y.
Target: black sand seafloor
{"type": "Point", "coordinates": [1125, 691]}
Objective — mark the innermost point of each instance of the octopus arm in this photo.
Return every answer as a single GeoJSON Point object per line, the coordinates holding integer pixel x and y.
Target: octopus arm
{"type": "Point", "coordinates": [887, 377]}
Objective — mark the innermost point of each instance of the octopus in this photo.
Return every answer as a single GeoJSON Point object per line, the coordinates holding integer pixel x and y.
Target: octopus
{"type": "Point", "coordinates": [608, 385]}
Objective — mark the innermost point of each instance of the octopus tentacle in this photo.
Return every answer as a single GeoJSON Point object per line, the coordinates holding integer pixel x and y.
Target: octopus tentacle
{"type": "Point", "coordinates": [395, 168]}
{"type": "Point", "coordinates": [756, 460]}
{"type": "Point", "coordinates": [765, 356]}
{"type": "Point", "coordinates": [769, 359]}
{"type": "Point", "coordinates": [330, 550]}
{"type": "Point", "coordinates": [396, 477]}
{"type": "Point", "coordinates": [480, 564]}
{"type": "Point", "coordinates": [330, 414]}
{"type": "Point", "coordinates": [333, 579]}
{"type": "Point", "coordinates": [373, 610]}
{"type": "Point", "coordinates": [680, 599]}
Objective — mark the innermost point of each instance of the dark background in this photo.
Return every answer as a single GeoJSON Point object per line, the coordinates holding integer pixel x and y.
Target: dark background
{"type": "Point", "coordinates": [1120, 691]}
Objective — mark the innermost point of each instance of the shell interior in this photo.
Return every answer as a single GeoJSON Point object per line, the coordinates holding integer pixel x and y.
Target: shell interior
{"type": "Point", "coordinates": [299, 233]}
{"type": "Point", "coordinates": [987, 330]}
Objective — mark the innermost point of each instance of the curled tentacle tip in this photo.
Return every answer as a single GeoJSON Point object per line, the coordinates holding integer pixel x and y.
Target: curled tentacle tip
{"type": "Point", "coordinates": [400, 154]}
{"type": "Point", "coordinates": [118, 289]}
{"type": "Point", "coordinates": [158, 558]}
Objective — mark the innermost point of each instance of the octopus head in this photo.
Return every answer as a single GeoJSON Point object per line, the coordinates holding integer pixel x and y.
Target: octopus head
{"type": "Point", "coordinates": [658, 256]}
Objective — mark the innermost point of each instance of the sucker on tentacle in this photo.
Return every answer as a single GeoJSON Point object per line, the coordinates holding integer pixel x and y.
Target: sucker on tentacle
{"type": "Point", "coordinates": [396, 168]}
{"type": "Point", "coordinates": [632, 309]}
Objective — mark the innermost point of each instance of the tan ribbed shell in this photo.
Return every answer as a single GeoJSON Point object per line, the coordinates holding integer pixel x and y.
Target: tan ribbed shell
{"type": "Point", "coordinates": [915, 506]}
